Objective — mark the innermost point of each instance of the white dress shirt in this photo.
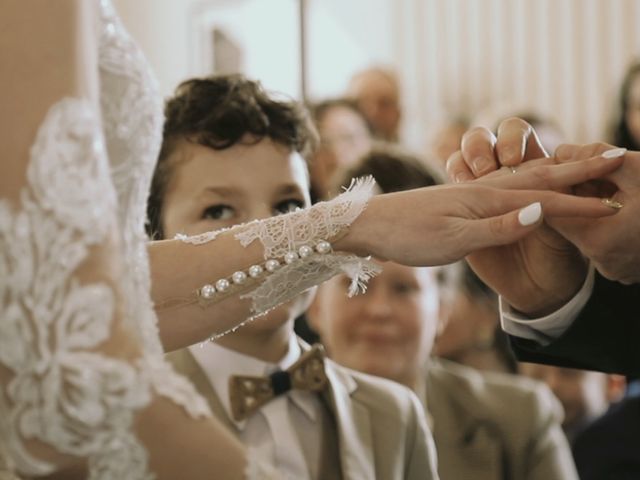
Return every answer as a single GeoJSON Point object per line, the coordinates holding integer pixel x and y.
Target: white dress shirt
{"type": "Point", "coordinates": [546, 329]}
{"type": "Point", "coordinates": [287, 431]}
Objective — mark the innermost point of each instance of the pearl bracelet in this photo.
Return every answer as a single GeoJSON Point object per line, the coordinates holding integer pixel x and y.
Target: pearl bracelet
{"type": "Point", "coordinates": [240, 280]}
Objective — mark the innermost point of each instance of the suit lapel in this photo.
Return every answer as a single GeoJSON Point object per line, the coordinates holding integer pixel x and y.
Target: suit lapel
{"type": "Point", "coordinates": [468, 446]}
{"type": "Point", "coordinates": [185, 364]}
{"type": "Point", "coordinates": [353, 424]}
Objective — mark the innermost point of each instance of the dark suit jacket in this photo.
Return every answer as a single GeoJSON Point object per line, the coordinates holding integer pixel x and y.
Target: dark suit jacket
{"type": "Point", "coordinates": [609, 449]}
{"type": "Point", "coordinates": [605, 336]}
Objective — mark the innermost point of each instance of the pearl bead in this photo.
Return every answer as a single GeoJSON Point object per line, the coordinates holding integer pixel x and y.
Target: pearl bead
{"type": "Point", "coordinates": [305, 251]}
{"type": "Point", "coordinates": [222, 285]}
{"type": "Point", "coordinates": [323, 247]}
{"type": "Point", "coordinates": [255, 271]}
{"type": "Point", "coordinates": [239, 277]}
{"type": "Point", "coordinates": [290, 257]}
{"type": "Point", "coordinates": [207, 291]}
{"type": "Point", "coordinates": [272, 265]}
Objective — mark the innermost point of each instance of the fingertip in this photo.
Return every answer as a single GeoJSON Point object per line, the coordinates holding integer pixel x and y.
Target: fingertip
{"type": "Point", "coordinates": [566, 152]}
{"type": "Point", "coordinates": [478, 150]}
{"type": "Point", "coordinates": [457, 169]}
{"type": "Point", "coordinates": [510, 156]}
{"type": "Point", "coordinates": [611, 203]}
{"type": "Point", "coordinates": [614, 153]}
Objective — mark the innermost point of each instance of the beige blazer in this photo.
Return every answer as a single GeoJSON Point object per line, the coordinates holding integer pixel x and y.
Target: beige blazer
{"type": "Point", "coordinates": [491, 426]}
{"type": "Point", "coordinates": [381, 427]}
{"type": "Point", "coordinates": [5, 473]}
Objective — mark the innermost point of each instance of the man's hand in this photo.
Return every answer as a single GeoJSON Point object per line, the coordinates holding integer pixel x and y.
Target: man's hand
{"type": "Point", "coordinates": [542, 271]}
{"type": "Point", "coordinates": [612, 243]}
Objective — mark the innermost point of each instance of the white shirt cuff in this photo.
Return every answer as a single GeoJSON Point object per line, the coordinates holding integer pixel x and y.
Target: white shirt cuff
{"type": "Point", "coordinates": [546, 329]}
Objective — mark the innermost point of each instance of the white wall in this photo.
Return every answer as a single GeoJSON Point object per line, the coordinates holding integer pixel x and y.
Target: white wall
{"type": "Point", "coordinates": [565, 57]}
{"type": "Point", "coordinates": [161, 27]}
{"type": "Point", "coordinates": [343, 36]}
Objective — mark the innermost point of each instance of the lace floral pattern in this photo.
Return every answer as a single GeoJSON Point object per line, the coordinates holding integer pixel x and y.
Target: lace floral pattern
{"type": "Point", "coordinates": [284, 234]}
{"type": "Point", "coordinates": [132, 123]}
{"type": "Point", "coordinates": [324, 221]}
{"type": "Point", "coordinates": [287, 283]}
{"type": "Point", "coordinates": [60, 392]}
{"type": "Point", "coordinates": [133, 142]}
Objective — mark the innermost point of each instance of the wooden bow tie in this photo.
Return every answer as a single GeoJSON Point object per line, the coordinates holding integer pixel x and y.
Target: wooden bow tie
{"type": "Point", "coordinates": [248, 394]}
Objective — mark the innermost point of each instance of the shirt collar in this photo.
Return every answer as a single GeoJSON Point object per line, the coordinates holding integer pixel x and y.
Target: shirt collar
{"type": "Point", "coordinates": [219, 363]}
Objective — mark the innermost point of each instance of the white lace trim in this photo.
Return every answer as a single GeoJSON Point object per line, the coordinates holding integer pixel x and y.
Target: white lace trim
{"type": "Point", "coordinates": [323, 221]}
{"type": "Point", "coordinates": [132, 122]}
{"type": "Point", "coordinates": [294, 279]}
{"type": "Point", "coordinates": [201, 238]}
{"type": "Point", "coordinates": [168, 383]}
{"type": "Point", "coordinates": [286, 234]}
{"type": "Point", "coordinates": [62, 393]}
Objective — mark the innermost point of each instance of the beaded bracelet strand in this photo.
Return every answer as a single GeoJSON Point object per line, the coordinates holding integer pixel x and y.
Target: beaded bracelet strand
{"type": "Point", "coordinates": [240, 280]}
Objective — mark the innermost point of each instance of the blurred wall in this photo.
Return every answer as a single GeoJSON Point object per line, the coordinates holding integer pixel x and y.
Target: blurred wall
{"type": "Point", "coordinates": [564, 57]}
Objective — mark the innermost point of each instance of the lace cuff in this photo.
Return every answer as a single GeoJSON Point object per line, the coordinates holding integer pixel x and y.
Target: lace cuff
{"type": "Point", "coordinates": [297, 254]}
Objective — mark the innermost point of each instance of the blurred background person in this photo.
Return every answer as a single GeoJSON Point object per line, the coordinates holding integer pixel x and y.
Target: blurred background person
{"type": "Point", "coordinates": [609, 446]}
{"type": "Point", "coordinates": [345, 137]}
{"type": "Point", "coordinates": [549, 131]}
{"type": "Point", "coordinates": [486, 426]}
{"type": "Point", "coordinates": [584, 395]}
{"type": "Point", "coordinates": [376, 90]}
{"type": "Point", "coordinates": [472, 335]}
{"type": "Point", "coordinates": [445, 140]}
{"type": "Point", "coordinates": [626, 128]}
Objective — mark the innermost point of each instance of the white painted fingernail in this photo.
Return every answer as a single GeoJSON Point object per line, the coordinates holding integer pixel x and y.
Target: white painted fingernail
{"type": "Point", "coordinates": [530, 215]}
{"type": "Point", "coordinates": [614, 153]}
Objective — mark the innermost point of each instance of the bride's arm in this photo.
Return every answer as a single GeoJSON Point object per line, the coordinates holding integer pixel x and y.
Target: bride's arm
{"type": "Point", "coordinates": [74, 385]}
{"type": "Point", "coordinates": [428, 226]}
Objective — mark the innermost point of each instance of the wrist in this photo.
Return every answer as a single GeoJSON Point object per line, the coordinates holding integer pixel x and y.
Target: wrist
{"type": "Point", "coordinates": [359, 238]}
{"type": "Point", "coordinates": [555, 296]}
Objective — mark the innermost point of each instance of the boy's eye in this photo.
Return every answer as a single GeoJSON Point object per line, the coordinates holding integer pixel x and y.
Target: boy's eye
{"type": "Point", "coordinates": [218, 212]}
{"type": "Point", "coordinates": [287, 206]}
{"type": "Point", "coordinates": [404, 288]}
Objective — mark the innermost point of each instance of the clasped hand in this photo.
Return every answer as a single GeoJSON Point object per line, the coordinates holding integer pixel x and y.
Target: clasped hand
{"type": "Point", "coordinates": [544, 269]}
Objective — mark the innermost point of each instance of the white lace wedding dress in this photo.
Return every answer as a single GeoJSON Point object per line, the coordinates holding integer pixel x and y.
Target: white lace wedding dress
{"type": "Point", "coordinates": [85, 168]}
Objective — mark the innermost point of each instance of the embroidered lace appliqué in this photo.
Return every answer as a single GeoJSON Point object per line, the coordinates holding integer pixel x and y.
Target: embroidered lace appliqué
{"type": "Point", "coordinates": [323, 221]}
{"type": "Point", "coordinates": [292, 280]}
{"type": "Point", "coordinates": [132, 123]}
{"type": "Point", "coordinates": [61, 392]}
{"type": "Point", "coordinates": [287, 233]}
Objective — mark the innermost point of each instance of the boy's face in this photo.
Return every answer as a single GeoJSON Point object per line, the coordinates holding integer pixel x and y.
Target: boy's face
{"type": "Point", "coordinates": [387, 331]}
{"type": "Point", "coordinates": [212, 189]}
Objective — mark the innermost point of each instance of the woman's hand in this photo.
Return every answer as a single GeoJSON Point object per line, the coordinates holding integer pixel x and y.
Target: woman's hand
{"type": "Point", "coordinates": [442, 224]}
{"type": "Point", "coordinates": [543, 270]}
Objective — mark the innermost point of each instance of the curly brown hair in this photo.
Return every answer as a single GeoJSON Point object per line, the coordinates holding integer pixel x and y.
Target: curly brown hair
{"type": "Point", "coordinates": [219, 112]}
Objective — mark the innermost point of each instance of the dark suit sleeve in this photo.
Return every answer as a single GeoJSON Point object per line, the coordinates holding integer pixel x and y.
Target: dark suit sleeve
{"type": "Point", "coordinates": [604, 337]}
